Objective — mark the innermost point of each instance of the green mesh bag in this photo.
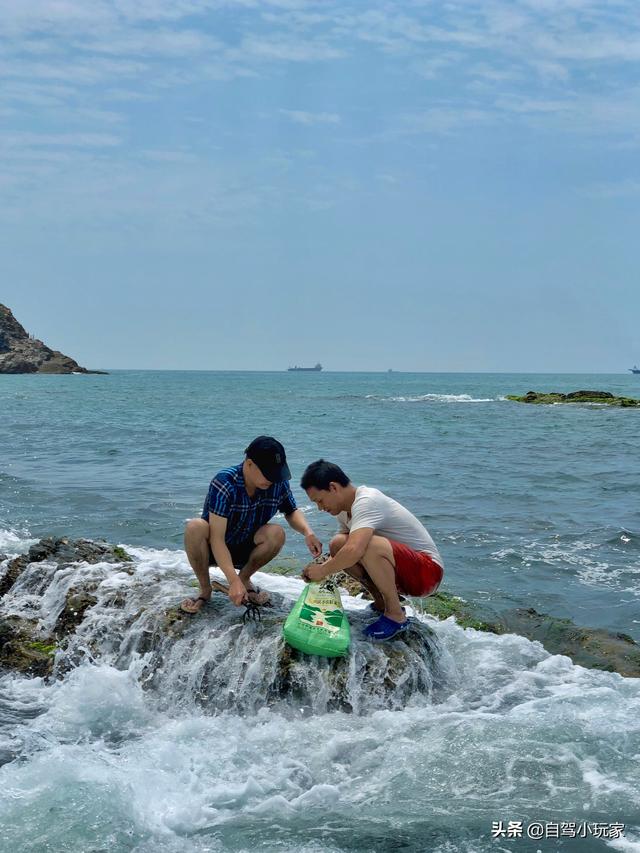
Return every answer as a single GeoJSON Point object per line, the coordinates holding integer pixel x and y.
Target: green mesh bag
{"type": "Point", "coordinates": [317, 624]}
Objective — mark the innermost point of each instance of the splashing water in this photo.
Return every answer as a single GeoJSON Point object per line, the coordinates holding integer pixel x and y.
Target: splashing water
{"type": "Point", "coordinates": [200, 734]}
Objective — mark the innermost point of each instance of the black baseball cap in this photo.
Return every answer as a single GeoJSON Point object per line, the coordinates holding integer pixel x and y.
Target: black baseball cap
{"type": "Point", "coordinates": [269, 456]}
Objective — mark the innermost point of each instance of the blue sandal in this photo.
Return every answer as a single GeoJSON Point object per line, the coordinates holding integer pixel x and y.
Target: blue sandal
{"type": "Point", "coordinates": [385, 629]}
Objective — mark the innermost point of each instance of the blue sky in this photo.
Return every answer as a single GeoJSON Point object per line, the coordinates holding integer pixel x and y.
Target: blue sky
{"type": "Point", "coordinates": [225, 184]}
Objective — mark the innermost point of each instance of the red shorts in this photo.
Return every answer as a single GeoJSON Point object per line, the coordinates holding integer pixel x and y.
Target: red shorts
{"type": "Point", "coordinates": [416, 572]}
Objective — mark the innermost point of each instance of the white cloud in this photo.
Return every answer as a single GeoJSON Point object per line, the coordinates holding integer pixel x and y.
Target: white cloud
{"type": "Point", "coordinates": [64, 140]}
{"type": "Point", "coordinates": [309, 118]}
{"type": "Point", "coordinates": [288, 49]}
{"type": "Point", "coordinates": [141, 196]}
{"type": "Point", "coordinates": [579, 113]}
{"type": "Point", "coordinates": [80, 67]}
{"type": "Point", "coordinates": [613, 189]}
{"type": "Point", "coordinates": [159, 42]}
{"type": "Point", "coordinates": [589, 47]}
{"type": "Point", "coordinates": [79, 72]}
{"type": "Point", "coordinates": [535, 106]}
{"type": "Point", "coordinates": [444, 120]}
{"type": "Point", "coordinates": [160, 156]}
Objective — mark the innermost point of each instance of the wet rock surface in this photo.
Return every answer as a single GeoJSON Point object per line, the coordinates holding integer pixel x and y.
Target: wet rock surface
{"type": "Point", "coordinates": [25, 645]}
{"type": "Point", "coordinates": [599, 397]}
{"type": "Point", "coordinates": [593, 648]}
{"type": "Point", "coordinates": [249, 665]}
{"type": "Point", "coordinates": [21, 652]}
{"type": "Point", "coordinates": [63, 552]}
{"type": "Point", "coordinates": [71, 601]}
{"type": "Point", "coordinates": [67, 602]}
{"type": "Point", "coordinates": [21, 353]}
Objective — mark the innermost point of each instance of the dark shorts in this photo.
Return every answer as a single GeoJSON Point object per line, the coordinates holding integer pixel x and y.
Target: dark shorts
{"type": "Point", "coordinates": [416, 572]}
{"type": "Point", "coordinates": [240, 553]}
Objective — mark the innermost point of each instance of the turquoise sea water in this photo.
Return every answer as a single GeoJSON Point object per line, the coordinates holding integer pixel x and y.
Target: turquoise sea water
{"type": "Point", "coordinates": [530, 506]}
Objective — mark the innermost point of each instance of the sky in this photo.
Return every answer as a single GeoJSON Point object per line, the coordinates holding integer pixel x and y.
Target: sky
{"type": "Point", "coordinates": [251, 184]}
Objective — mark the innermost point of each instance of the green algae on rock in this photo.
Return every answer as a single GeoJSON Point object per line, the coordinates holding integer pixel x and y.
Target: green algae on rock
{"type": "Point", "coordinates": [44, 648]}
{"type": "Point", "coordinates": [21, 652]}
{"type": "Point", "coordinates": [444, 604]}
{"type": "Point", "coordinates": [25, 648]}
{"type": "Point", "coordinates": [101, 614]}
{"type": "Point", "coordinates": [593, 648]}
{"type": "Point", "coordinates": [119, 552]}
{"type": "Point", "coordinates": [599, 397]}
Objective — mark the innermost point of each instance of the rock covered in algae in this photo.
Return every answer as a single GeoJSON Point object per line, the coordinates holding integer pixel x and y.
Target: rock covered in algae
{"type": "Point", "coordinates": [19, 650]}
{"type": "Point", "coordinates": [599, 397]}
{"type": "Point", "coordinates": [221, 664]}
{"type": "Point", "coordinates": [85, 601]}
{"type": "Point", "coordinates": [24, 645]}
{"type": "Point", "coordinates": [593, 648]}
{"type": "Point", "coordinates": [66, 601]}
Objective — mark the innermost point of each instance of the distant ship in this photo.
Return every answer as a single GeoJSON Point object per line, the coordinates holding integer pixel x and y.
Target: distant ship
{"type": "Point", "coordinates": [297, 369]}
{"type": "Point", "coordinates": [635, 369]}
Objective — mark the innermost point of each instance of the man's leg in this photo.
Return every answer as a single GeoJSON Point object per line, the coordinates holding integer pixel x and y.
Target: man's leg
{"type": "Point", "coordinates": [358, 571]}
{"type": "Point", "coordinates": [196, 544]}
{"type": "Point", "coordinates": [380, 565]}
{"type": "Point", "coordinates": [268, 541]}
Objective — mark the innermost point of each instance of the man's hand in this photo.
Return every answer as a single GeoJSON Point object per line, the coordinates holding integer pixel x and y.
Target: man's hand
{"type": "Point", "coordinates": [314, 572]}
{"type": "Point", "coordinates": [237, 592]}
{"type": "Point", "coordinates": [313, 544]}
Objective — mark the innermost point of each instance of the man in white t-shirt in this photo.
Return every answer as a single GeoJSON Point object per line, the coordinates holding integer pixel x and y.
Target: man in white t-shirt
{"type": "Point", "coordinates": [380, 543]}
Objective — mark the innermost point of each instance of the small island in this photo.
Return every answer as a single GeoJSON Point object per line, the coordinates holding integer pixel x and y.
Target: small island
{"type": "Point", "coordinates": [22, 353]}
{"type": "Point", "coordinates": [601, 397]}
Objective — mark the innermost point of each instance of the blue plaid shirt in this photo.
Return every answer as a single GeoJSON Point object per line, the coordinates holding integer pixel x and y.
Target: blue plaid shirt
{"type": "Point", "coordinates": [227, 497]}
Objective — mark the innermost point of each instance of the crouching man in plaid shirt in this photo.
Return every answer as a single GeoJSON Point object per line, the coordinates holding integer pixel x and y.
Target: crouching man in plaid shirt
{"type": "Point", "coordinates": [234, 531]}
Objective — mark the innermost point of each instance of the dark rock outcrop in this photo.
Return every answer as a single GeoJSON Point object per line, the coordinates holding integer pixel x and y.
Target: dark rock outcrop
{"type": "Point", "coordinates": [72, 601]}
{"type": "Point", "coordinates": [134, 619]}
{"type": "Point", "coordinates": [20, 651]}
{"type": "Point", "coordinates": [602, 397]}
{"type": "Point", "coordinates": [63, 552]}
{"type": "Point", "coordinates": [21, 353]}
{"type": "Point", "coordinates": [76, 604]}
{"type": "Point", "coordinates": [22, 646]}
{"type": "Point", "coordinates": [593, 648]}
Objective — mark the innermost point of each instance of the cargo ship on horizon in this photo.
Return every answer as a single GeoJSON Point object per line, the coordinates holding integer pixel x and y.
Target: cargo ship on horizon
{"type": "Point", "coordinates": [296, 369]}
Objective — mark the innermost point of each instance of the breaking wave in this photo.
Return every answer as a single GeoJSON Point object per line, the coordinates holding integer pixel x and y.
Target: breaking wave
{"type": "Point", "coordinates": [435, 398]}
{"type": "Point", "coordinates": [175, 735]}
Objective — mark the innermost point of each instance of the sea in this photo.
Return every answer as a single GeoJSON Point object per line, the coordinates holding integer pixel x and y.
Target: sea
{"type": "Point", "coordinates": [530, 506]}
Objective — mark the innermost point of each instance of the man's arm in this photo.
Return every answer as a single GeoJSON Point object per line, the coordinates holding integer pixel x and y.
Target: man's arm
{"type": "Point", "coordinates": [351, 553]}
{"type": "Point", "coordinates": [217, 530]}
{"type": "Point", "coordinates": [297, 521]}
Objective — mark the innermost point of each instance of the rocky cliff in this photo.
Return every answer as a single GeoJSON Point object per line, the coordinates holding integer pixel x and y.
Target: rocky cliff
{"type": "Point", "coordinates": [20, 353]}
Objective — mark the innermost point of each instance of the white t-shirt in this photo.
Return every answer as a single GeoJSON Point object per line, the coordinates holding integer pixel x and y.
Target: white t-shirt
{"type": "Point", "coordinates": [372, 508]}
